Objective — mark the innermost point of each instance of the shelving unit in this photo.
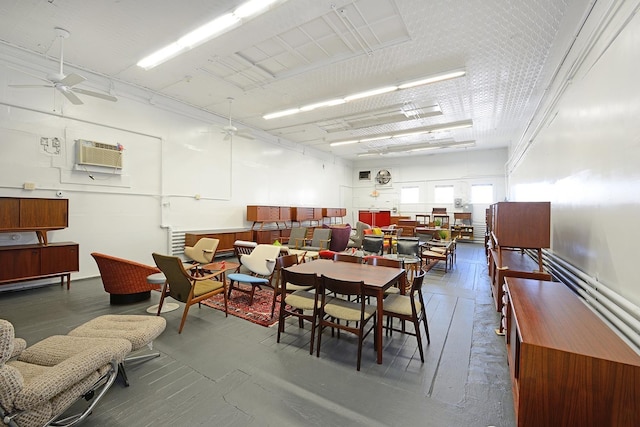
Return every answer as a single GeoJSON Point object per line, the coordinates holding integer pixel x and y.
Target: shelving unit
{"type": "Point", "coordinates": [442, 215]}
{"type": "Point", "coordinates": [516, 226]}
{"type": "Point", "coordinates": [462, 228]}
{"type": "Point", "coordinates": [567, 367]}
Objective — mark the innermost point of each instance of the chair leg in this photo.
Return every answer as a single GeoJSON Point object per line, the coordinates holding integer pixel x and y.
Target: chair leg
{"type": "Point", "coordinates": [123, 374]}
{"type": "Point", "coordinates": [184, 316]}
{"type": "Point", "coordinates": [273, 303]}
{"type": "Point", "coordinates": [319, 338]}
{"type": "Point", "coordinates": [313, 333]}
{"type": "Point", "coordinates": [416, 326]}
{"type": "Point", "coordinates": [253, 290]}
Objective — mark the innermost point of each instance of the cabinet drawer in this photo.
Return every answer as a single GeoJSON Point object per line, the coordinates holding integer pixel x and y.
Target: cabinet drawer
{"type": "Point", "coordinates": [59, 259]}
{"type": "Point", "coordinates": [17, 263]}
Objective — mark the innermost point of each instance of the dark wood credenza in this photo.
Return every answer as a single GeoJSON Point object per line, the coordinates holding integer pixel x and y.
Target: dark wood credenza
{"type": "Point", "coordinates": [567, 367]}
{"type": "Point", "coordinates": [36, 261]}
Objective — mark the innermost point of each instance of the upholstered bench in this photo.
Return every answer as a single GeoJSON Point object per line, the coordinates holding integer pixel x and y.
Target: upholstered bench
{"type": "Point", "coordinates": [139, 330]}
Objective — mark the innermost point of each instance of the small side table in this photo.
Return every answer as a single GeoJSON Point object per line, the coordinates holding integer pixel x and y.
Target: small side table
{"type": "Point", "coordinates": [159, 279]}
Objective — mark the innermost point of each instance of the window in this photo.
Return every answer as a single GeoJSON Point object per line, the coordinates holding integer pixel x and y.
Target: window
{"type": "Point", "coordinates": [443, 194]}
{"type": "Point", "coordinates": [409, 194]}
{"type": "Point", "coordinates": [482, 193]}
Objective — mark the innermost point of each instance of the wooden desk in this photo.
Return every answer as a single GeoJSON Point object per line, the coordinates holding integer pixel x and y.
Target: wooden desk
{"type": "Point", "coordinates": [376, 280]}
{"type": "Point", "coordinates": [567, 367]}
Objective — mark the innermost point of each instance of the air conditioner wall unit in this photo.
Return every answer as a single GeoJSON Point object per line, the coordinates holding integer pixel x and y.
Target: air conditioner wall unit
{"type": "Point", "coordinates": [98, 154]}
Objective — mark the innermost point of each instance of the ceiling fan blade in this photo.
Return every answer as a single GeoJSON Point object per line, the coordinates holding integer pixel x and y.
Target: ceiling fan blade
{"type": "Point", "coordinates": [30, 86]}
{"type": "Point", "coordinates": [72, 97]}
{"type": "Point", "coordinates": [104, 96]}
{"type": "Point", "coordinates": [72, 79]}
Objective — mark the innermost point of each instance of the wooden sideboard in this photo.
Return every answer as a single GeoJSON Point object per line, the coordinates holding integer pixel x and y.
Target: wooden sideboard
{"type": "Point", "coordinates": [226, 237]}
{"type": "Point", "coordinates": [265, 214]}
{"type": "Point", "coordinates": [38, 261]}
{"type": "Point", "coordinates": [514, 263]}
{"type": "Point", "coordinates": [334, 213]}
{"type": "Point", "coordinates": [567, 367]}
{"type": "Point", "coordinates": [31, 214]}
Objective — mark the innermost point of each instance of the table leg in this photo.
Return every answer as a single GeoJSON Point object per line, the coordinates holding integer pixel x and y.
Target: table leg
{"type": "Point", "coordinates": [379, 316]}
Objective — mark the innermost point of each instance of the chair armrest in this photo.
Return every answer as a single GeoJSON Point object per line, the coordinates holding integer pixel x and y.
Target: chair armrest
{"type": "Point", "coordinates": [18, 347]}
{"type": "Point", "coordinates": [323, 242]}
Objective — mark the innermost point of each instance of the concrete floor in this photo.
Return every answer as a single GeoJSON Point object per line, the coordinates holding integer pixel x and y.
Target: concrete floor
{"type": "Point", "coordinates": [230, 372]}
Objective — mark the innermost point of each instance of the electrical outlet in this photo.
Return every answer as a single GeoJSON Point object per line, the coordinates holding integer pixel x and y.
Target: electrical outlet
{"type": "Point", "coordinates": [29, 186]}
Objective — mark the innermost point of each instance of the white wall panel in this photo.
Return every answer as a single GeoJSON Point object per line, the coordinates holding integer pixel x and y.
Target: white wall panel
{"type": "Point", "coordinates": [586, 162]}
{"type": "Point", "coordinates": [173, 154]}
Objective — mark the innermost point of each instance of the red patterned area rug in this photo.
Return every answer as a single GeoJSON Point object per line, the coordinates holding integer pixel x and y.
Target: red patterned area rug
{"type": "Point", "coordinates": [259, 312]}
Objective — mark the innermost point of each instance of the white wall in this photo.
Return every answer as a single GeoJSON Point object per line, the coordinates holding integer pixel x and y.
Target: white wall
{"type": "Point", "coordinates": [585, 155]}
{"type": "Point", "coordinates": [172, 153]}
{"type": "Point", "coordinates": [462, 169]}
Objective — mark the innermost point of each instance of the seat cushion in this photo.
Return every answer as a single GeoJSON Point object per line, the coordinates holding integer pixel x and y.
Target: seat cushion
{"type": "Point", "coordinates": [400, 304]}
{"type": "Point", "coordinates": [246, 278]}
{"type": "Point", "coordinates": [139, 330]}
{"type": "Point", "coordinates": [303, 300]}
{"type": "Point", "coordinates": [347, 310]}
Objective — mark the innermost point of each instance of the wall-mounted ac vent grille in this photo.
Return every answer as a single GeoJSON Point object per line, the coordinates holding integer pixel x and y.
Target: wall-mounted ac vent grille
{"type": "Point", "coordinates": [99, 154]}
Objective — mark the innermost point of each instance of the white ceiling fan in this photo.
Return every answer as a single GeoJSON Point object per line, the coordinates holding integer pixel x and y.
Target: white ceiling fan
{"type": "Point", "coordinates": [65, 84]}
{"type": "Point", "coordinates": [230, 130]}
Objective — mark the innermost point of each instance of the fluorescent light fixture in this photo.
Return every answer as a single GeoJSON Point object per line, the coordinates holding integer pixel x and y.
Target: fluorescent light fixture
{"type": "Point", "coordinates": [208, 31]}
{"type": "Point", "coordinates": [252, 7]}
{"type": "Point", "coordinates": [282, 113]}
{"type": "Point", "coordinates": [329, 103]}
{"type": "Point", "coordinates": [415, 148]}
{"type": "Point", "coordinates": [337, 144]}
{"type": "Point", "coordinates": [373, 92]}
{"type": "Point", "coordinates": [429, 129]}
{"type": "Point", "coordinates": [433, 79]}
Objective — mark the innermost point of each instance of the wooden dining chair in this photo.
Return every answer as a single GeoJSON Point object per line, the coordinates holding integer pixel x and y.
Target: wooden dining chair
{"type": "Point", "coordinates": [296, 299]}
{"type": "Point", "coordinates": [394, 263]}
{"type": "Point", "coordinates": [347, 258]}
{"type": "Point", "coordinates": [334, 310]}
{"type": "Point", "coordinates": [282, 262]}
{"type": "Point", "coordinates": [408, 308]}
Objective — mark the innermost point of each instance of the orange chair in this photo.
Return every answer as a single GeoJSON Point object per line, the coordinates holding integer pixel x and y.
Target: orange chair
{"type": "Point", "coordinates": [124, 280]}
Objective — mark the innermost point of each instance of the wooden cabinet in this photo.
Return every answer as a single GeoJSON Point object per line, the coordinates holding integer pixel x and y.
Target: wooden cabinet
{"type": "Point", "coordinates": [514, 263]}
{"type": "Point", "coordinates": [567, 367]}
{"type": "Point", "coordinates": [521, 224]}
{"type": "Point", "coordinates": [462, 232]}
{"type": "Point", "coordinates": [408, 227]}
{"type": "Point", "coordinates": [28, 262]}
{"type": "Point", "coordinates": [516, 225]}
{"type": "Point", "coordinates": [301, 214]}
{"type": "Point", "coordinates": [462, 227]}
{"type": "Point", "coordinates": [375, 218]}
{"type": "Point", "coordinates": [334, 214]}
{"type": "Point", "coordinates": [226, 237]}
{"type": "Point", "coordinates": [265, 214]}
{"type": "Point", "coordinates": [30, 214]}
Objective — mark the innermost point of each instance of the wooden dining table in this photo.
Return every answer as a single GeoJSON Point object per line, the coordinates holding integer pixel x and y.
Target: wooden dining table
{"type": "Point", "coordinates": [376, 280]}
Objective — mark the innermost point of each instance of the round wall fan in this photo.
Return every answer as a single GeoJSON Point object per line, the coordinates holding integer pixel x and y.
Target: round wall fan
{"type": "Point", "coordinates": [66, 84]}
{"type": "Point", "coordinates": [383, 177]}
